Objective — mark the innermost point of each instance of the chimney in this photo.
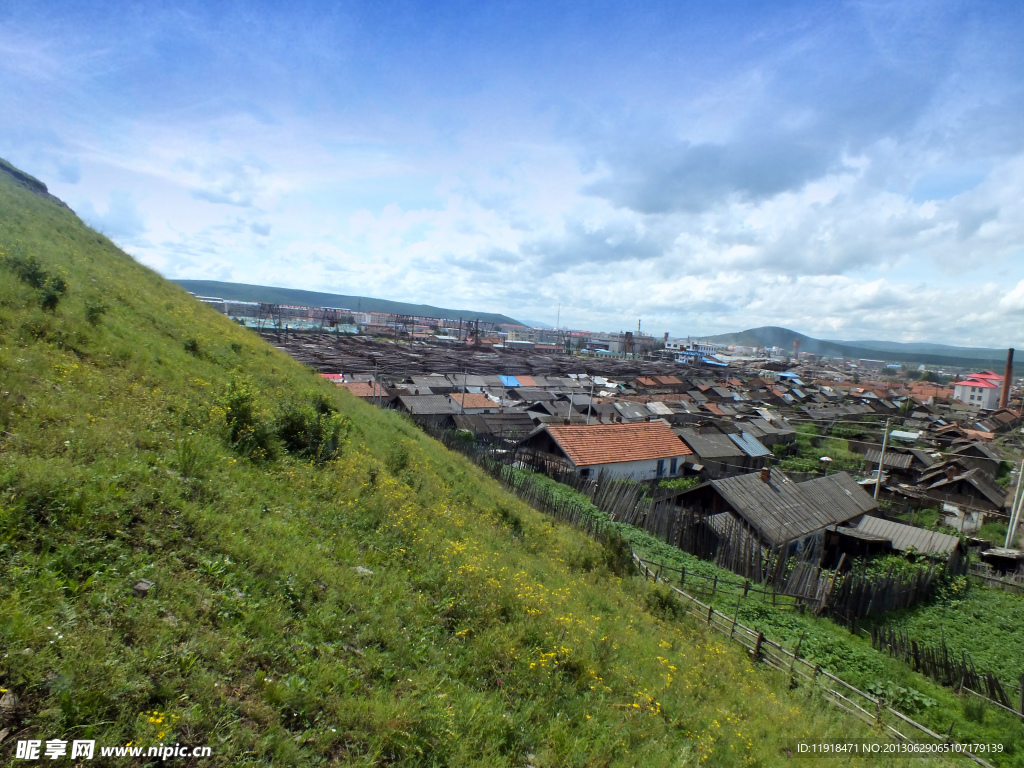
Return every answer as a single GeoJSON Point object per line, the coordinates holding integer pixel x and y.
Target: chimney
{"type": "Point", "coordinates": [766, 475]}
{"type": "Point", "coordinates": [1004, 398]}
{"type": "Point", "coordinates": [796, 350]}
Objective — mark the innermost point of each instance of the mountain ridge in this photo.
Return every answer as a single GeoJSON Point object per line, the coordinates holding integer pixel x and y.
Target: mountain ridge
{"type": "Point", "coordinates": [923, 353]}
{"type": "Point", "coordinates": [278, 295]}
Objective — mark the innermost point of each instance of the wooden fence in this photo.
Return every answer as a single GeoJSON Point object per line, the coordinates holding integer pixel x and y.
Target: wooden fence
{"type": "Point", "coordinates": [733, 546]}
{"type": "Point", "coordinates": [1011, 582]}
{"type": "Point", "coordinates": [871, 710]}
{"type": "Point", "coordinates": [948, 669]}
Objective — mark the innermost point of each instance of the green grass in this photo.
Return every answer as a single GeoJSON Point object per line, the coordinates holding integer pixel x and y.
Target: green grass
{"type": "Point", "coordinates": [852, 657]}
{"type": "Point", "coordinates": [808, 448]}
{"type": "Point", "coordinates": [331, 587]}
{"type": "Point", "coordinates": [980, 621]}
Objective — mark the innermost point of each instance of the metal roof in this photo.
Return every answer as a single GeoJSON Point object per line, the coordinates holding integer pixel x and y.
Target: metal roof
{"type": "Point", "coordinates": [893, 460]}
{"type": "Point", "coordinates": [426, 405]}
{"type": "Point", "coordinates": [781, 510]}
{"type": "Point", "coordinates": [750, 445]}
{"type": "Point", "coordinates": [659, 408]}
{"type": "Point", "coordinates": [710, 446]}
{"type": "Point", "coordinates": [509, 381]}
{"type": "Point", "coordinates": [908, 537]}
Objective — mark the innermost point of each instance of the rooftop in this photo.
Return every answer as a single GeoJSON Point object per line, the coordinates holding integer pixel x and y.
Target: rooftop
{"type": "Point", "coordinates": [611, 443]}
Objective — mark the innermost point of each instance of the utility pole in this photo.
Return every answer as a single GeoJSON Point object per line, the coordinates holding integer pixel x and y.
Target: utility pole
{"type": "Point", "coordinates": [465, 378]}
{"type": "Point", "coordinates": [590, 405]}
{"type": "Point", "coordinates": [1015, 507]}
{"type": "Point", "coordinates": [881, 459]}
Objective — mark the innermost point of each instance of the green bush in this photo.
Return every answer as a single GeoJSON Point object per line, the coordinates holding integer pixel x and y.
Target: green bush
{"type": "Point", "coordinates": [248, 431]}
{"type": "Point", "coordinates": [314, 430]}
{"type": "Point", "coordinates": [28, 269]}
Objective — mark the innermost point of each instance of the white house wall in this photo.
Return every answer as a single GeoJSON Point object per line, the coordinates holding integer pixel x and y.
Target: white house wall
{"type": "Point", "coordinates": [637, 470]}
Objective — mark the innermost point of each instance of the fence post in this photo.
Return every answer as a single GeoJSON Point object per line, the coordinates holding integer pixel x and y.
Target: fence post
{"type": "Point", "coordinates": [735, 616]}
{"type": "Point", "coordinates": [710, 611]}
{"type": "Point", "coordinates": [796, 654]}
{"type": "Point", "coordinates": [682, 580]}
{"type": "Point", "coordinates": [714, 586]}
{"type": "Point", "coordinates": [757, 645]}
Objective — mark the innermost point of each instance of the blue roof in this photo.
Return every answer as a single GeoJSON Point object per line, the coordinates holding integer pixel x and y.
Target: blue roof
{"type": "Point", "coordinates": [709, 361]}
{"type": "Point", "coordinates": [750, 445]}
{"type": "Point", "coordinates": [509, 381]}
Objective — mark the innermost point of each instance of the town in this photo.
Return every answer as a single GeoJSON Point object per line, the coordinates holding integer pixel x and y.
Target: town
{"type": "Point", "coordinates": [910, 466]}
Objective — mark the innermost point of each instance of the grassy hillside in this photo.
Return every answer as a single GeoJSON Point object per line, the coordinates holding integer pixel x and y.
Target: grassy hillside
{"type": "Point", "coordinates": [243, 292]}
{"type": "Point", "coordinates": [979, 621]}
{"type": "Point", "coordinates": [329, 586]}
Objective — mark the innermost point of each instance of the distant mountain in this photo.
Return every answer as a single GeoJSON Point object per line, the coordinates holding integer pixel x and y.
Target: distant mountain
{"type": "Point", "coordinates": [889, 351]}
{"type": "Point", "coordinates": [244, 292]}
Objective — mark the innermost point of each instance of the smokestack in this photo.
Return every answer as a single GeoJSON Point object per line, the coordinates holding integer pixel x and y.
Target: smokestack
{"type": "Point", "coordinates": [1004, 398]}
{"type": "Point", "coordinates": [796, 350]}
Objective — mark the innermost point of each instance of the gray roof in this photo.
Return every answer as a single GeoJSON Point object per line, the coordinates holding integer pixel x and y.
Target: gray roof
{"type": "Point", "coordinates": [632, 411]}
{"type": "Point", "coordinates": [893, 460]}
{"type": "Point", "coordinates": [907, 537]}
{"type": "Point", "coordinates": [770, 428]}
{"type": "Point", "coordinates": [710, 446]}
{"type": "Point", "coordinates": [534, 393]}
{"type": "Point", "coordinates": [426, 405]}
{"type": "Point", "coordinates": [922, 456]}
{"type": "Point", "coordinates": [781, 510]}
{"type": "Point", "coordinates": [977, 447]}
{"type": "Point", "coordinates": [750, 445]}
{"type": "Point", "coordinates": [659, 408]}
{"type": "Point", "coordinates": [515, 424]}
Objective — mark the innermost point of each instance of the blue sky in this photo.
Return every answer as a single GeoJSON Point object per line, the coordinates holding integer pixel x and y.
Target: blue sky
{"type": "Point", "coordinates": [849, 170]}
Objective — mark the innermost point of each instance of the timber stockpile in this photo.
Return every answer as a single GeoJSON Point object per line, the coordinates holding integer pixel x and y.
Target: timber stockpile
{"type": "Point", "coordinates": [329, 353]}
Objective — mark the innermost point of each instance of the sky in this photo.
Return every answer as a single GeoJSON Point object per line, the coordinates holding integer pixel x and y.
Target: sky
{"type": "Point", "coordinates": [847, 170]}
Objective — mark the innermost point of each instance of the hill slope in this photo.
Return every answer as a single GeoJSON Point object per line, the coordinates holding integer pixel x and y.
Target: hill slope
{"type": "Point", "coordinates": [243, 292]}
{"type": "Point", "coordinates": [388, 605]}
{"type": "Point", "coordinates": [891, 351]}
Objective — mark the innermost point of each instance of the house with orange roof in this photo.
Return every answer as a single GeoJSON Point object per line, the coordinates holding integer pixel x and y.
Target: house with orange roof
{"type": "Point", "coordinates": [644, 450]}
{"type": "Point", "coordinates": [472, 402]}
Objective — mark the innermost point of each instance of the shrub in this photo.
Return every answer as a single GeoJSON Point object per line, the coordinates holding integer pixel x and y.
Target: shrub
{"type": "Point", "coordinates": [248, 432]}
{"type": "Point", "coordinates": [94, 313]}
{"type": "Point", "coordinates": [314, 430]}
{"type": "Point", "coordinates": [28, 269]}
{"type": "Point", "coordinates": [618, 555]}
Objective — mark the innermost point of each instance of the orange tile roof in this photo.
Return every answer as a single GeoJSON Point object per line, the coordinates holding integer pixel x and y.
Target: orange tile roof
{"type": "Point", "coordinates": [473, 400]}
{"type": "Point", "coordinates": [526, 381]}
{"type": "Point", "coordinates": [978, 434]}
{"type": "Point", "coordinates": [714, 409]}
{"type": "Point", "coordinates": [362, 388]}
{"type": "Point", "coordinates": [646, 381]}
{"type": "Point", "coordinates": [671, 380]}
{"type": "Point", "coordinates": [609, 443]}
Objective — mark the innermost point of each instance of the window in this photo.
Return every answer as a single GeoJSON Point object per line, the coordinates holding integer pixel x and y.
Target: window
{"type": "Point", "coordinates": [661, 467]}
{"type": "Point", "coordinates": [672, 466]}
{"type": "Point", "coordinates": [585, 472]}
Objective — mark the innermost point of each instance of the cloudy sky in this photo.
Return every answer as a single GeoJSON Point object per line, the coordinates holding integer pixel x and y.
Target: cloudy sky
{"type": "Point", "coordinates": [848, 170]}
